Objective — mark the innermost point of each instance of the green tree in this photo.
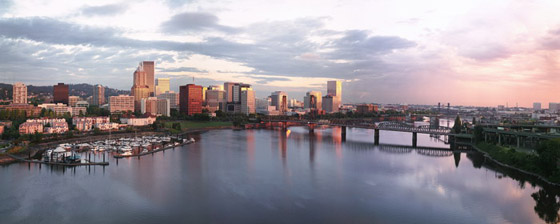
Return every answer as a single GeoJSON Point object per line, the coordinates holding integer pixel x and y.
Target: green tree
{"type": "Point", "coordinates": [176, 126]}
{"type": "Point", "coordinates": [478, 133]}
{"type": "Point", "coordinates": [549, 153]}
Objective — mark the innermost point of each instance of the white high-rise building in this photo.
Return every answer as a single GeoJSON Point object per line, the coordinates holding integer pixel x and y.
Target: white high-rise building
{"type": "Point", "coordinates": [162, 85]}
{"type": "Point", "coordinates": [19, 93]}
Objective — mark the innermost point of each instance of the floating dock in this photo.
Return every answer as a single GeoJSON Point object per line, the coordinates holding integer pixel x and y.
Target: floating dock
{"type": "Point", "coordinates": [151, 152]}
{"type": "Point", "coordinates": [88, 163]}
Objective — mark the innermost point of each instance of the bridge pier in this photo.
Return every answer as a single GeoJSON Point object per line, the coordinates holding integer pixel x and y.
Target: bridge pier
{"type": "Point", "coordinates": [284, 126]}
{"type": "Point", "coordinates": [499, 139]}
{"type": "Point", "coordinates": [376, 137]}
{"type": "Point", "coordinates": [343, 133]}
{"type": "Point", "coordinates": [414, 139]}
{"type": "Point", "coordinates": [518, 143]}
{"type": "Point", "coordinates": [311, 128]}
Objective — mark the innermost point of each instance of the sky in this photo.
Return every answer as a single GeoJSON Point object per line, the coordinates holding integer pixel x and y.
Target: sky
{"type": "Point", "coordinates": [476, 52]}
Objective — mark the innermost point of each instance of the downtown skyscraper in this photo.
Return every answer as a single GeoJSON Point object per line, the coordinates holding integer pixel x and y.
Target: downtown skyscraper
{"type": "Point", "coordinates": [149, 68]}
{"type": "Point", "coordinates": [334, 89]}
{"type": "Point", "coordinates": [162, 86]}
{"type": "Point", "coordinates": [143, 78]}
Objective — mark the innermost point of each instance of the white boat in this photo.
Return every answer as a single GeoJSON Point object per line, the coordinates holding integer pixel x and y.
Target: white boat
{"type": "Point", "coordinates": [126, 148]}
{"type": "Point", "coordinates": [127, 153]}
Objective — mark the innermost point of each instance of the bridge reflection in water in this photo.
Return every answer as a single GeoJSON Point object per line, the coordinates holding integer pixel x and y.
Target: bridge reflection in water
{"type": "Point", "coordinates": [333, 135]}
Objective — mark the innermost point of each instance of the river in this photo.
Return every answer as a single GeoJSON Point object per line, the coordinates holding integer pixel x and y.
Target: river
{"type": "Point", "coordinates": [272, 176]}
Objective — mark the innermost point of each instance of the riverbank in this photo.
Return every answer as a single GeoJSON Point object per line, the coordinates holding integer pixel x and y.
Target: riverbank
{"type": "Point", "coordinates": [6, 159]}
{"type": "Point", "coordinates": [517, 161]}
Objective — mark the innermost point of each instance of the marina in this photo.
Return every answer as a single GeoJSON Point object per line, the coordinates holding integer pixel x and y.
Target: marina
{"type": "Point", "coordinates": [79, 154]}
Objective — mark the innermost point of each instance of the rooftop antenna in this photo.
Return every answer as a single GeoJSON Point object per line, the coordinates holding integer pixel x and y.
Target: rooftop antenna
{"type": "Point", "coordinates": [193, 79]}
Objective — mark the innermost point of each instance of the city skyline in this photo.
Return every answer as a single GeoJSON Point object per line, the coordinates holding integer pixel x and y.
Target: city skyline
{"type": "Point", "coordinates": [472, 53]}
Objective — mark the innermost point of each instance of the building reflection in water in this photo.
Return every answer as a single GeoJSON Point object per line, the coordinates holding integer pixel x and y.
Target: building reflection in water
{"type": "Point", "coordinates": [250, 141]}
{"type": "Point", "coordinates": [337, 141]}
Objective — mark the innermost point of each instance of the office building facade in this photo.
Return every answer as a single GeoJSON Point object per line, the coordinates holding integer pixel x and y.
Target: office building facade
{"type": "Point", "coordinates": [279, 99]}
{"type": "Point", "coordinates": [162, 86]}
{"type": "Point", "coordinates": [60, 93]}
{"type": "Point", "coordinates": [173, 98]}
{"type": "Point", "coordinates": [190, 99]}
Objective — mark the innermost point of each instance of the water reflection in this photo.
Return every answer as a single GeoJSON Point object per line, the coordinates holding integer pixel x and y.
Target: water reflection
{"type": "Point", "coordinates": [457, 158]}
{"type": "Point", "coordinates": [547, 205]}
{"type": "Point", "coordinates": [546, 199]}
{"type": "Point", "coordinates": [258, 176]}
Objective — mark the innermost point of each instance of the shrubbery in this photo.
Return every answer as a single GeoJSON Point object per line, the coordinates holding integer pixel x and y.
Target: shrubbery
{"type": "Point", "coordinates": [545, 163]}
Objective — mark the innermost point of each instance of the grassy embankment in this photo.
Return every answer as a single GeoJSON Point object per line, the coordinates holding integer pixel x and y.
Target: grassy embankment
{"type": "Point", "coordinates": [14, 150]}
{"type": "Point", "coordinates": [533, 163]}
{"type": "Point", "coordinates": [186, 125]}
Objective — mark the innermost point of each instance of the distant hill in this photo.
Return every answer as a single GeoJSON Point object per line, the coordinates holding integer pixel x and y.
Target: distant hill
{"type": "Point", "coordinates": [83, 90]}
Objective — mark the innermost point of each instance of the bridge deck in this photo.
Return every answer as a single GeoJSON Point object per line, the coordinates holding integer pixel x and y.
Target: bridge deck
{"type": "Point", "coordinates": [369, 125]}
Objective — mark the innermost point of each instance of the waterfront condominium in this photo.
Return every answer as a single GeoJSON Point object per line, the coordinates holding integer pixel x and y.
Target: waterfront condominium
{"type": "Point", "coordinates": [19, 93]}
{"type": "Point", "coordinates": [190, 99]}
{"type": "Point", "coordinates": [60, 94]}
{"type": "Point", "coordinates": [121, 103]}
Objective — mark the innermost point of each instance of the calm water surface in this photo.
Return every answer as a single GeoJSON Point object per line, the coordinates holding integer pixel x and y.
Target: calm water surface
{"type": "Point", "coordinates": [270, 176]}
